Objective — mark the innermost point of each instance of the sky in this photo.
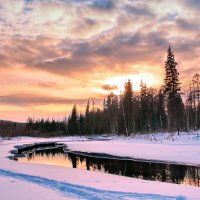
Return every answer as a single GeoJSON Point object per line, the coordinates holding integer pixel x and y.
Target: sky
{"type": "Point", "coordinates": [57, 53]}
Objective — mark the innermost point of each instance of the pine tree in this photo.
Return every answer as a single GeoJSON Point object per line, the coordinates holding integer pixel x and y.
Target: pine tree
{"type": "Point", "coordinates": [127, 107]}
{"type": "Point", "coordinates": [73, 122]}
{"type": "Point", "coordinates": [161, 114]}
{"type": "Point", "coordinates": [87, 119]}
{"type": "Point", "coordinates": [172, 91]}
{"type": "Point", "coordinates": [81, 124]}
{"type": "Point", "coordinates": [147, 108]}
{"type": "Point", "coordinates": [171, 81]}
{"type": "Point", "coordinates": [193, 106]}
{"type": "Point", "coordinates": [111, 107]}
{"type": "Point", "coordinates": [144, 108]}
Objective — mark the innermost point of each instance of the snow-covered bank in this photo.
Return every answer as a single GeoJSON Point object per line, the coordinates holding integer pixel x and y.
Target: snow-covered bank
{"type": "Point", "coordinates": [161, 147]}
{"type": "Point", "coordinates": [54, 182]}
{"type": "Point", "coordinates": [186, 154]}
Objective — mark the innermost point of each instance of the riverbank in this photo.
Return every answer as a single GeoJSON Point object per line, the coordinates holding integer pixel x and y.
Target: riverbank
{"type": "Point", "coordinates": [53, 182]}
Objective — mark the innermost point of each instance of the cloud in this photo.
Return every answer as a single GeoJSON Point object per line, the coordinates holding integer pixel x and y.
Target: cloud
{"type": "Point", "coordinates": [4, 61]}
{"type": "Point", "coordinates": [109, 87]}
{"type": "Point", "coordinates": [187, 25]}
{"type": "Point", "coordinates": [64, 65]}
{"type": "Point", "coordinates": [105, 54]}
{"type": "Point", "coordinates": [119, 53]}
{"type": "Point", "coordinates": [47, 85]}
{"type": "Point", "coordinates": [38, 99]}
{"type": "Point", "coordinates": [169, 17]}
{"type": "Point", "coordinates": [139, 10]}
{"type": "Point", "coordinates": [192, 3]}
{"type": "Point", "coordinates": [12, 7]}
{"type": "Point", "coordinates": [103, 4]}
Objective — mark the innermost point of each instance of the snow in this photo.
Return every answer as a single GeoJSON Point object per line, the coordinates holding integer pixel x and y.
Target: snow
{"type": "Point", "coordinates": [12, 188]}
{"type": "Point", "coordinates": [39, 181]}
{"type": "Point", "coordinates": [183, 149]}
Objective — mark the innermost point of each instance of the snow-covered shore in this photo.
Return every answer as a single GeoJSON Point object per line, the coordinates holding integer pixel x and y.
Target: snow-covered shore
{"type": "Point", "coordinates": [185, 149]}
{"type": "Point", "coordinates": [38, 181]}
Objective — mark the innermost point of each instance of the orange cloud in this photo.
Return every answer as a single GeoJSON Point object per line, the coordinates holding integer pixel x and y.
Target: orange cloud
{"type": "Point", "coordinates": [109, 87]}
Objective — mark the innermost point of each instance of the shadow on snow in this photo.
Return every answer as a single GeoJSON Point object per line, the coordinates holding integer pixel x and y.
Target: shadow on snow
{"type": "Point", "coordinates": [83, 192]}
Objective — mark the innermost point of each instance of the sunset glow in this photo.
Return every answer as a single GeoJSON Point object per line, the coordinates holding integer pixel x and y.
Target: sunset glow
{"type": "Point", "coordinates": [119, 81]}
{"type": "Point", "coordinates": [58, 53]}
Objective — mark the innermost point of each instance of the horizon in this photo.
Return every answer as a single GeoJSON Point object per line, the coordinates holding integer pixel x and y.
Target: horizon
{"type": "Point", "coordinates": [55, 54]}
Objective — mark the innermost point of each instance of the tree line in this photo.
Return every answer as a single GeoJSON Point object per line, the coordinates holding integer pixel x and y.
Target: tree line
{"type": "Point", "coordinates": [150, 110]}
{"type": "Point", "coordinates": [46, 125]}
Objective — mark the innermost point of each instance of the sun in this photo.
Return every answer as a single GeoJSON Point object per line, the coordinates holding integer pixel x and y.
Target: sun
{"type": "Point", "coordinates": [136, 79]}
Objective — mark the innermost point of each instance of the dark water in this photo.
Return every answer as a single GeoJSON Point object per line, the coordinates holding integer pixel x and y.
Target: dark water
{"type": "Point", "coordinates": [172, 173]}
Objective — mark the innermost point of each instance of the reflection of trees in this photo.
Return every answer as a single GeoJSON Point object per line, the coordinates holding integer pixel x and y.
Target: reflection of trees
{"type": "Point", "coordinates": [73, 159]}
{"type": "Point", "coordinates": [49, 153]}
{"type": "Point", "coordinates": [192, 177]}
{"type": "Point", "coordinates": [178, 174]}
{"type": "Point", "coordinates": [164, 170]}
{"type": "Point", "coordinates": [144, 170]}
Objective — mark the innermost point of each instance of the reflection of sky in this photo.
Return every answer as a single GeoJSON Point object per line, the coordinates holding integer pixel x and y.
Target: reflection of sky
{"type": "Point", "coordinates": [142, 170]}
{"type": "Point", "coordinates": [56, 50]}
{"type": "Point", "coordinates": [57, 159]}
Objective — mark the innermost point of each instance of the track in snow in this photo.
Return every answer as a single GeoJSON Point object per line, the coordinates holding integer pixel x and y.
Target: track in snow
{"type": "Point", "coordinates": [83, 192]}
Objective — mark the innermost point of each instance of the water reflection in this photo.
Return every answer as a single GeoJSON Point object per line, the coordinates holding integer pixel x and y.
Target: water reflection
{"type": "Point", "coordinates": [179, 174]}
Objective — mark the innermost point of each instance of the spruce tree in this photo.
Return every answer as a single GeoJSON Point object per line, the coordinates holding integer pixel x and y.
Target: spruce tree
{"type": "Point", "coordinates": [147, 108]}
{"type": "Point", "coordinates": [171, 81]}
{"type": "Point", "coordinates": [87, 119]}
{"type": "Point", "coordinates": [81, 124]}
{"type": "Point", "coordinates": [127, 107]}
{"type": "Point", "coordinates": [73, 122]}
{"type": "Point", "coordinates": [111, 107]}
{"type": "Point", "coordinates": [172, 91]}
{"type": "Point", "coordinates": [144, 108]}
{"type": "Point", "coordinates": [161, 114]}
